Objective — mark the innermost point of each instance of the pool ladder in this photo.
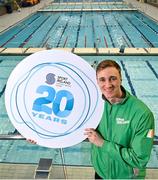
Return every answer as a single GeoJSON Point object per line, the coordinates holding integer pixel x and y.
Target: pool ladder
{"type": "Point", "coordinates": [43, 169]}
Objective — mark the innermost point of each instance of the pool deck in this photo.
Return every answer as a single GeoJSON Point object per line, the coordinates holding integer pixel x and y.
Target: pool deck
{"type": "Point", "coordinates": [20, 171]}
{"type": "Point", "coordinates": [8, 20]}
{"type": "Point", "coordinates": [83, 51]}
{"type": "Point", "coordinates": [145, 8]}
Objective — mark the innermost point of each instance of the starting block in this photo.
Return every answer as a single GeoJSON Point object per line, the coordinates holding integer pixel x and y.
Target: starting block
{"type": "Point", "coordinates": [43, 169]}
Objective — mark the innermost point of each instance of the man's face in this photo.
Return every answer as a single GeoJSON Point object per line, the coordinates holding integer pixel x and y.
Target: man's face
{"type": "Point", "coordinates": [109, 81]}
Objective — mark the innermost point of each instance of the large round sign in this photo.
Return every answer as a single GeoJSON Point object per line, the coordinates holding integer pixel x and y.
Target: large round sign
{"type": "Point", "coordinates": [52, 96]}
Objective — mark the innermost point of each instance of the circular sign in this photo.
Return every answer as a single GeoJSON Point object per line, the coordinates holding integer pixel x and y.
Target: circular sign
{"type": "Point", "coordinates": [52, 96]}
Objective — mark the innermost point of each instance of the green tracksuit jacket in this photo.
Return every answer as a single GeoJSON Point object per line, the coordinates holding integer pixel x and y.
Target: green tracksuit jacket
{"type": "Point", "coordinates": [127, 129]}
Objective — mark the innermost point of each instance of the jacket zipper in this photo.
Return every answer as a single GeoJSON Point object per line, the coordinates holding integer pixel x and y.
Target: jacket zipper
{"type": "Point", "coordinates": [109, 137]}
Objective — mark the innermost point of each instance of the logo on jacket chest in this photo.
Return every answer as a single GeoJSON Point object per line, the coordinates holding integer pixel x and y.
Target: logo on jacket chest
{"type": "Point", "coordinates": [122, 121]}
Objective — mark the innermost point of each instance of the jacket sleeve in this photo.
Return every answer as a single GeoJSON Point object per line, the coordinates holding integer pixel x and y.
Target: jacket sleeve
{"type": "Point", "coordinates": [138, 154]}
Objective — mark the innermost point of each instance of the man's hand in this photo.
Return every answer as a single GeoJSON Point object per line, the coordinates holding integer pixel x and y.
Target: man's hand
{"type": "Point", "coordinates": [31, 141]}
{"type": "Point", "coordinates": [94, 137]}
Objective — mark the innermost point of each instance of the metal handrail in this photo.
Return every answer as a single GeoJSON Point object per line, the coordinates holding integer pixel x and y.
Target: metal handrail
{"type": "Point", "coordinates": [20, 137]}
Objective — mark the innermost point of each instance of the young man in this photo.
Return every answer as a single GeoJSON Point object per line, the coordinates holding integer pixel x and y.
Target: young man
{"type": "Point", "coordinates": [122, 143]}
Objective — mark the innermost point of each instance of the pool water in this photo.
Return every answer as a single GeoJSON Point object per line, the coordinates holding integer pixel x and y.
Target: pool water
{"type": "Point", "coordinates": [83, 30]}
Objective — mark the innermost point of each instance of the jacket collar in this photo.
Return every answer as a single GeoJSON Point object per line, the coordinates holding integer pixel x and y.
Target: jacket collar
{"type": "Point", "coordinates": [127, 94]}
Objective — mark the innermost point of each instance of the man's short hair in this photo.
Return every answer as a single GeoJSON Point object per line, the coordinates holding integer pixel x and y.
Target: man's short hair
{"type": "Point", "coordinates": [108, 63]}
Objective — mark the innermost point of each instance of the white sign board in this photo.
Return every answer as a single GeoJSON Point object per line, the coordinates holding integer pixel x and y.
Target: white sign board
{"type": "Point", "coordinates": [52, 96]}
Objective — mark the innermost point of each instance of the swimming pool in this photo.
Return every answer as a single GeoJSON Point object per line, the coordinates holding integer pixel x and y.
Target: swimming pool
{"type": "Point", "coordinates": [83, 30]}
